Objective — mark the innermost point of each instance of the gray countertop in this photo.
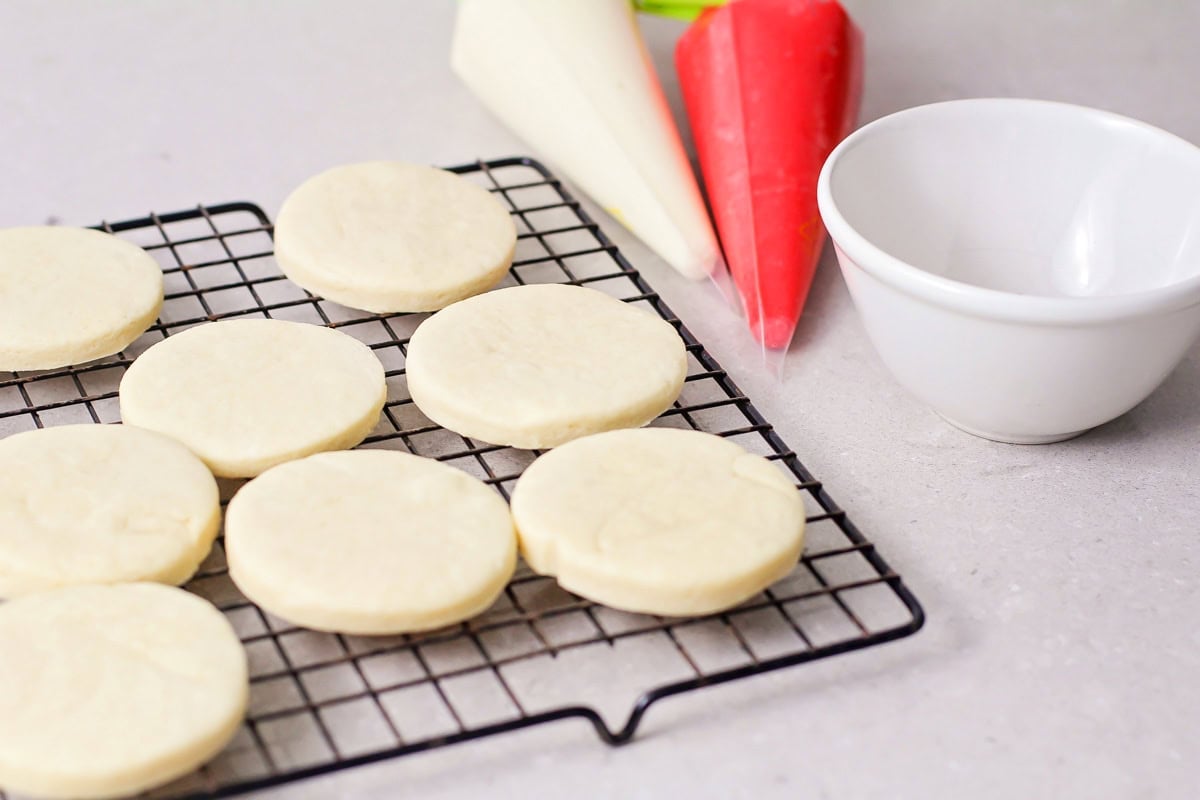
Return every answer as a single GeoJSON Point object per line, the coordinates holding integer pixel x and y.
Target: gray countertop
{"type": "Point", "coordinates": [1061, 652]}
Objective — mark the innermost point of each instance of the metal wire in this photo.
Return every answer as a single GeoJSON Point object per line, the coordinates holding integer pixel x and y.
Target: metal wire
{"type": "Point", "coordinates": [321, 702]}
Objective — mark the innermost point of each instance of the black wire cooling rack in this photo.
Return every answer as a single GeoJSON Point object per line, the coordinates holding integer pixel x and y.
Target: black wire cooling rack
{"type": "Point", "coordinates": [323, 702]}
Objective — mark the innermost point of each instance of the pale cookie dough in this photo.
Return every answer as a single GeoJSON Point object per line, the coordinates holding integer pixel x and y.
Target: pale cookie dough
{"type": "Point", "coordinates": [106, 691]}
{"type": "Point", "coordinates": [387, 236]}
{"type": "Point", "coordinates": [369, 542]}
{"type": "Point", "coordinates": [536, 366]}
{"type": "Point", "coordinates": [69, 295]}
{"type": "Point", "coordinates": [245, 395]}
{"type": "Point", "coordinates": [101, 504]}
{"type": "Point", "coordinates": [658, 520]}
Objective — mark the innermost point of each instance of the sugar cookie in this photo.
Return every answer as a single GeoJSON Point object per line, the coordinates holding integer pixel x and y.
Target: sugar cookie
{"type": "Point", "coordinates": [369, 542]}
{"type": "Point", "coordinates": [107, 691]}
{"type": "Point", "coordinates": [70, 295]}
{"type": "Point", "coordinates": [101, 504]}
{"type": "Point", "coordinates": [245, 395]}
{"type": "Point", "coordinates": [536, 366]}
{"type": "Point", "coordinates": [658, 520]}
{"type": "Point", "coordinates": [387, 236]}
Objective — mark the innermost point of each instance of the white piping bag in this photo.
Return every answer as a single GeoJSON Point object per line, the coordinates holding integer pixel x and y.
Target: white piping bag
{"type": "Point", "coordinates": [573, 79]}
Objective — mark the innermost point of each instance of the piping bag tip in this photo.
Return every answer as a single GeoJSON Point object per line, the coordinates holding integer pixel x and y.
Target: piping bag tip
{"type": "Point", "coordinates": [773, 361]}
{"type": "Point", "coordinates": [775, 336]}
{"type": "Point", "coordinates": [720, 278]}
{"type": "Point", "coordinates": [775, 333]}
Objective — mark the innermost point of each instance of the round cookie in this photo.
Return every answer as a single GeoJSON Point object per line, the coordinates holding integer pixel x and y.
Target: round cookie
{"type": "Point", "coordinates": [658, 520]}
{"type": "Point", "coordinates": [369, 542]}
{"type": "Point", "coordinates": [70, 295]}
{"type": "Point", "coordinates": [535, 366]}
{"type": "Point", "coordinates": [387, 236]}
{"type": "Point", "coordinates": [245, 395]}
{"type": "Point", "coordinates": [101, 504]}
{"type": "Point", "coordinates": [111, 690]}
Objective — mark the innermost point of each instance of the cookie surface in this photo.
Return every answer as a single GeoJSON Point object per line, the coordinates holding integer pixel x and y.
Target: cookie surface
{"type": "Point", "coordinates": [101, 504]}
{"type": "Point", "coordinates": [70, 295]}
{"type": "Point", "coordinates": [369, 542]}
{"type": "Point", "coordinates": [388, 236]}
{"type": "Point", "coordinates": [245, 395]}
{"type": "Point", "coordinates": [535, 366]}
{"type": "Point", "coordinates": [658, 520]}
{"type": "Point", "coordinates": [110, 690]}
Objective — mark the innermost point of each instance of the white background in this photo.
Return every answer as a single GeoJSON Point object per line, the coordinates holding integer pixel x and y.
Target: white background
{"type": "Point", "coordinates": [1062, 649]}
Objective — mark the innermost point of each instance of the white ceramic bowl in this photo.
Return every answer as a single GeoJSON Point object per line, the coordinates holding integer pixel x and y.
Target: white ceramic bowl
{"type": "Point", "coordinates": [1028, 269]}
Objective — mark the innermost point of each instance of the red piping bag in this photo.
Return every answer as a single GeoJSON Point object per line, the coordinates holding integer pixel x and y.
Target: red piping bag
{"type": "Point", "coordinates": [771, 87]}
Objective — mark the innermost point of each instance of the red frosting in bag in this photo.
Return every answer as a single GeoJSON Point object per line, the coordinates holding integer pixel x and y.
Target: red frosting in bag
{"type": "Point", "coordinates": [771, 87]}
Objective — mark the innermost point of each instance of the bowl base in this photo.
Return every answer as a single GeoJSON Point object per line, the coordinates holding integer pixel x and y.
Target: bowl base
{"type": "Point", "coordinates": [1007, 438]}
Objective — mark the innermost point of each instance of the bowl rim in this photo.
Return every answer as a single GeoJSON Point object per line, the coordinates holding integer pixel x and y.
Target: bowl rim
{"type": "Point", "coordinates": [995, 303]}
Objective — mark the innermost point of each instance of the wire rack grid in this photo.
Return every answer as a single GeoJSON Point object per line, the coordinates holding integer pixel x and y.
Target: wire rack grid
{"type": "Point", "coordinates": [323, 702]}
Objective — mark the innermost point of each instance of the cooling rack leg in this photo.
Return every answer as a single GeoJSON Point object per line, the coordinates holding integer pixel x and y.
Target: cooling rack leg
{"type": "Point", "coordinates": [590, 714]}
